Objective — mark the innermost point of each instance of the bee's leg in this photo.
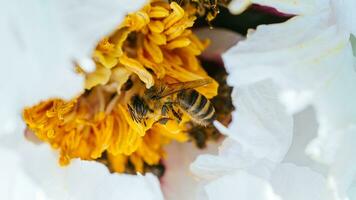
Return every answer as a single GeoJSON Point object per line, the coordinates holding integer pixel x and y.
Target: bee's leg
{"type": "Point", "coordinates": [168, 106]}
{"type": "Point", "coordinates": [165, 108]}
{"type": "Point", "coordinates": [176, 113]}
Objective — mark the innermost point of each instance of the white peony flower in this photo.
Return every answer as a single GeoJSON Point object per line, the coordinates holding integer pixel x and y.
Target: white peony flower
{"type": "Point", "coordinates": [305, 61]}
{"type": "Point", "coordinates": [309, 58]}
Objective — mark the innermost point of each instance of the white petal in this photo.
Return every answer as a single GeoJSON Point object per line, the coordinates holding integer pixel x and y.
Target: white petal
{"type": "Point", "coordinates": [352, 191]}
{"type": "Point", "coordinates": [40, 40]}
{"type": "Point", "coordinates": [345, 14]}
{"type": "Point", "coordinates": [294, 183]}
{"type": "Point", "coordinates": [301, 55]}
{"type": "Point", "coordinates": [80, 180]}
{"type": "Point", "coordinates": [336, 111]}
{"type": "Point", "coordinates": [14, 182]}
{"type": "Point", "coordinates": [86, 21]}
{"type": "Point", "coordinates": [240, 185]}
{"type": "Point", "coordinates": [305, 129]}
{"type": "Point", "coordinates": [342, 172]}
{"type": "Point", "coordinates": [260, 123]}
{"type": "Point", "coordinates": [230, 158]}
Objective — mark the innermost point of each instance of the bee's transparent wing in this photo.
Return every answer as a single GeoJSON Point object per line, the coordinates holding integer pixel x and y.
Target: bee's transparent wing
{"type": "Point", "coordinates": [169, 89]}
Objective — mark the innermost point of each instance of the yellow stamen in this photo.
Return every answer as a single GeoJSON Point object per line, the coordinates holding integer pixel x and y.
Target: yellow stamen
{"type": "Point", "coordinates": [137, 68]}
{"type": "Point", "coordinates": [100, 76]}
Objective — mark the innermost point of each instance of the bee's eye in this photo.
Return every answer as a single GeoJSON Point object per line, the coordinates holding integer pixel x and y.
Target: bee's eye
{"type": "Point", "coordinates": [139, 105]}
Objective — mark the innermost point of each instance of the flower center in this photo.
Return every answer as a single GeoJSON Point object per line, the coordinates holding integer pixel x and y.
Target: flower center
{"type": "Point", "coordinates": [112, 121]}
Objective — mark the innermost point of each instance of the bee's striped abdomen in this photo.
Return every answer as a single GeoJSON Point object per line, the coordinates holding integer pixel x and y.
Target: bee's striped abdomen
{"type": "Point", "coordinates": [197, 106]}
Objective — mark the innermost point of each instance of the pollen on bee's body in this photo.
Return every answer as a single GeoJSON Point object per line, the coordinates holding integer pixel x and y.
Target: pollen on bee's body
{"type": "Point", "coordinates": [154, 44]}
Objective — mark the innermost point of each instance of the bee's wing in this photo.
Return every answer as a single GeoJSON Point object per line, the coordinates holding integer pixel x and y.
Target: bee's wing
{"type": "Point", "coordinates": [176, 87]}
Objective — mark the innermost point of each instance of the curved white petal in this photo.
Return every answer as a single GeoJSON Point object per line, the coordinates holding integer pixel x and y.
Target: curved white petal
{"type": "Point", "coordinates": [39, 174]}
{"type": "Point", "coordinates": [260, 123]}
{"type": "Point", "coordinates": [305, 129]}
{"type": "Point", "coordinates": [344, 12]}
{"type": "Point", "coordinates": [336, 112]}
{"type": "Point", "coordinates": [14, 182]}
{"type": "Point", "coordinates": [85, 22]}
{"type": "Point", "coordinates": [301, 55]}
{"type": "Point", "coordinates": [240, 185]}
{"type": "Point", "coordinates": [231, 157]}
{"type": "Point", "coordinates": [294, 183]}
{"type": "Point", "coordinates": [40, 39]}
{"type": "Point", "coordinates": [342, 172]}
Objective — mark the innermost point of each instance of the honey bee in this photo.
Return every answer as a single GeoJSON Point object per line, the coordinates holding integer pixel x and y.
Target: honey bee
{"type": "Point", "coordinates": [170, 101]}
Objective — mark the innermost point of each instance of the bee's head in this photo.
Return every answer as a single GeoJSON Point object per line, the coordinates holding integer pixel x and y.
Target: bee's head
{"type": "Point", "coordinates": [138, 108]}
